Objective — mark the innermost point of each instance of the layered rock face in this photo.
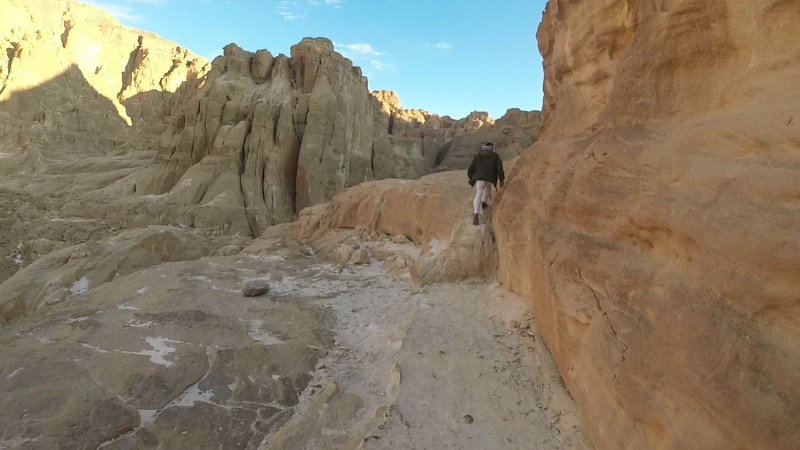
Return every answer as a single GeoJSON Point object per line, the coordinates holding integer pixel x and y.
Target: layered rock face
{"type": "Point", "coordinates": [268, 136]}
{"type": "Point", "coordinates": [69, 71]}
{"type": "Point", "coordinates": [655, 225]}
{"type": "Point", "coordinates": [169, 357]}
{"type": "Point", "coordinates": [70, 272]}
{"type": "Point", "coordinates": [231, 147]}
{"type": "Point", "coordinates": [434, 212]}
{"type": "Point", "coordinates": [82, 99]}
{"type": "Point", "coordinates": [449, 144]}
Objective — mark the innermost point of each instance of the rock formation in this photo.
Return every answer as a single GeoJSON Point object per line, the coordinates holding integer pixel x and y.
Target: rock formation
{"type": "Point", "coordinates": [133, 177]}
{"type": "Point", "coordinates": [448, 144]}
{"type": "Point", "coordinates": [655, 225]}
{"type": "Point", "coordinates": [239, 145]}
{"type": "Point", "coordinates": [172, 357]}
{"type": "Point", "coordinates": [268, 136]}
{"type": "Point", "coordinates": [61, 71]}
{"type": "Point", "coordinates": [82, 99]}
{"type": "Point", "coordinates": [434, 212]}
{"type": "Point", "coordinates": [71, 272]}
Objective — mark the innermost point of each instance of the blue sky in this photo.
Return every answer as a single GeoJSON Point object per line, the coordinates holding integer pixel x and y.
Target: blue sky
{"type": "Point", "coordinates": [449, 57]}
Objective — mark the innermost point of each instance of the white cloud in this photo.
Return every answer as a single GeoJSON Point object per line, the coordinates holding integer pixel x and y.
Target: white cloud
{"type": "Point", "coordinates": [443, 46]}
{"type": "Point", "coordinates": [357, 52]}
{"type": "Point", "coordinates": [335, 3]}
{"type": "Point", "coordinates": [290, 10]}
{"type": "Point", "coordinates": [362, 49]}
{"type": "Point", "coordinates": [291, 16]}
{"type": "Point", "coordinates": [365, 55]}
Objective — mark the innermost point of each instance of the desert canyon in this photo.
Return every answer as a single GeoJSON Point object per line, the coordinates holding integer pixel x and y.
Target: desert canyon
{"type": "Point", "coordinates": [259, 252]}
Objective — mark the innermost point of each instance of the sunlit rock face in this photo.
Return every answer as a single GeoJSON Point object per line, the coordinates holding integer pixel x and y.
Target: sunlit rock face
{"type": "Point", "coordinates": [106, 128]}
{"type": "Point", "coordinates": [267, 136]}
{"type": "Point", "coordinates": [655, 225]}
{"type": "Point", "coordinates": [92, 64]}
{"type": "Point", "coordinates": [83, 102]}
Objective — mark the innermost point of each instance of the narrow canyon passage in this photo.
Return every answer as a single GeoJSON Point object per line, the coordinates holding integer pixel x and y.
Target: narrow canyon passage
{"type": "Point", "coordinates": [454, 365]}
{"type": "Point", "coordinates": [256, 249]}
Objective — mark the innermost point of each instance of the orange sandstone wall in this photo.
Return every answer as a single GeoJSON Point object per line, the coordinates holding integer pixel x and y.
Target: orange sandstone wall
{"type": "Point", "coordinates": [656, 225]}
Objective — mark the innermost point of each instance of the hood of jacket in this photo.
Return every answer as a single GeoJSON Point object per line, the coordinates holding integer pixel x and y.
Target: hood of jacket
{"type": "Point", "coordinates": [484, 153]}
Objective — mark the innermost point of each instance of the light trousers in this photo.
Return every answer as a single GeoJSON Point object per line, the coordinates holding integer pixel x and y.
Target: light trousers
{"type": "Point", "coordinates": [483, 191]}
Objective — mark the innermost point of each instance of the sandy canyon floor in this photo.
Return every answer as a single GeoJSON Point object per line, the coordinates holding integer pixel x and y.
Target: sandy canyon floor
{"type": "Point", "coordinates": [336, 356]}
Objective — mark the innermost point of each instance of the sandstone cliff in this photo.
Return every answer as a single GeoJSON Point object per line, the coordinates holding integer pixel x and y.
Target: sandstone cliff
{"type": "Point", "coordinates": [104, 128]}
{"type": "Point", "coordinates": [434, 212]}
{"type": "Point", "coordinates": [268, 136]}
{"type": "Point", "coordinates": [145, 338]}
{"type": "Point", "coordinates": [449, 144]}
{"type": "Point", "coordinates": [82, 99]}
{"type": "Point", "coordinates": [73, 68]}
{"type": "Point", "coordinates": [655, 225]}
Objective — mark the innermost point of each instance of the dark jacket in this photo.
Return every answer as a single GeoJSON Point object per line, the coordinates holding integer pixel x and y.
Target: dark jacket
{"type": "Point", "coordinates": [486, 166]}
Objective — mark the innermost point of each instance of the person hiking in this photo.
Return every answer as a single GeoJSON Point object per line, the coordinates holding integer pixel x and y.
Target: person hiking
{"type": "Point", "coordinates": [484, 170]}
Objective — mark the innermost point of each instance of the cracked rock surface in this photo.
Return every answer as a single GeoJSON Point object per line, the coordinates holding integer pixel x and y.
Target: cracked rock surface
{"type": "Point", "coordinates": [336, 356]}
{"type": "Point", "coordinates": [173, 356]}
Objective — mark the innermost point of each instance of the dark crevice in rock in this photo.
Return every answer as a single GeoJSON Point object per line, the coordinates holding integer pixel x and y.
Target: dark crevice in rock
{"type": "Point", "coordinates": [242, 161]}
{"type": "Point", "coordinates": [164, 78]}
{"type": "Point", "coordinates": [130, 67]}
{"type": "Point", "coordinates": [275, 123]}
{"type": "Point", "coordinates": [12, 53]}
{"type": "Point", "coordinates": [442, 154]}
{"type": "Point", "coordinates": [291, 172]}
{"type": "Point", "coordinates": [65, 34]}
{"type": "Point", "coordinates": [372, 160]}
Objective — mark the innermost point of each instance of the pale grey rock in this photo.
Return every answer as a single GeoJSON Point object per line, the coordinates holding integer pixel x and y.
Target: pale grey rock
{"type": "Point", "coordinates": [74, 271]}
{"type": "Point", "coordinates": [343, 253]}
{"type": "Point", "coordinates": [169, 357]}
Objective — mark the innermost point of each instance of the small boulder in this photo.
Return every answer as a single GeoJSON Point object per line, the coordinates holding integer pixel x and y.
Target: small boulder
{"type": "Point", "coordinates": [380, 253]}
{"type": "Point", "coordinates": [343, 253]}
{"type": "Point", "coordinates": [360, 257]}
{"type": "Point", "coordinates": [254, 288]}
{"type": "Point", "coordinates": [57, 296]}
{"type": "Point", "coordinates": [400, 240]}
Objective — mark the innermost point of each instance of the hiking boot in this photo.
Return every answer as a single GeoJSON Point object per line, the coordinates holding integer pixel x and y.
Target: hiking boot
{"type": "Point", "coordinates": [475, 220]}
{"type": "Point", "coordinates": [484, 205]}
